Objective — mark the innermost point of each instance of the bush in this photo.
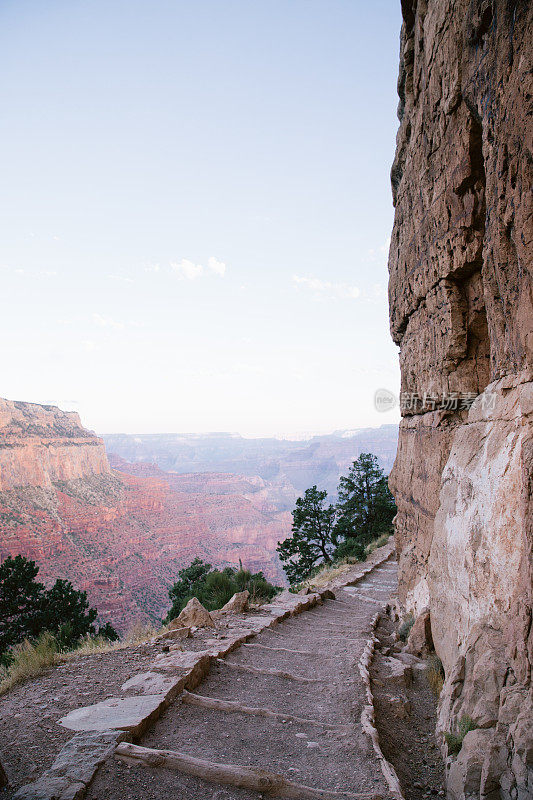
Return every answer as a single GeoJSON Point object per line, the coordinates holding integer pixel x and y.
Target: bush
{"type": "Point", "coordinates": [27, 608]}
{"type": "Point", "coordinates": [379, 542]}
{"type": "Point", "coordinates": [351, 548]}
{"type": "Point", "coordinates": [405, 628]}
{"type": "Point", "coordinates": [435, 674]}
{"type": "Point", "coordinates": [213, 587]}
{"type": "Point", "coordinates": [108, 633]}
{"type": "Point", "coordinates": [455, 741]}
{"type": "Point", "coordinates": [28, 659]}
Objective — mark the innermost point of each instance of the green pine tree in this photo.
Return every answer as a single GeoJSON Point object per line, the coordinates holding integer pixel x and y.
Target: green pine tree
{"type": "Point", "coordinates": [366, 507]}
{"type": "Point", "coordinates": [313, 539]}
{"type": "Point", "coordinates": [27, 608]}
{"type": "Point", "coordinates": [21, 598]}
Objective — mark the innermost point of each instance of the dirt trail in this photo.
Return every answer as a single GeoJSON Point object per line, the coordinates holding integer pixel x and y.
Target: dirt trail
{"type": "Point", "coordinates": [307, 668]}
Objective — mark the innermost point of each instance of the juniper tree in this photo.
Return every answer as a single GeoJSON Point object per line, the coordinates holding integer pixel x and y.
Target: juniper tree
{"type": "Point", "coordinates": [313, 537]}
{"type": "Point", "coordinates": [27, 608]}
{"type": "Point", "coordinates": [366, 507]}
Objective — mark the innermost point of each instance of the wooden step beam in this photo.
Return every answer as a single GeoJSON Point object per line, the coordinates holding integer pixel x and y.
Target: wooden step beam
{"type": "Point", "coordinates": [287, 650]}
{"type": "Point", "coordinates": [216, 704]}
{"type": "Point", "coordinates": [317, 638]}
{"type": "Point", "coordinates": [258, 780]}
{"type": "Point", "coordinates": [276, 673]}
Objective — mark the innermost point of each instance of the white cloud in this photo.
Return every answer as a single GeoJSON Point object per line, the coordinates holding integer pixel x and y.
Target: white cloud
{"type": "Point", "coordinates": [187, 270]}
{"type": "Point", "coordinates": [107, 322]}
{"type": "Point", "coordinates": [89, 346]}
{"type": "Point", "coordinates": [326, 289]}
{"type": "Point", "coordinates": [216, 266]}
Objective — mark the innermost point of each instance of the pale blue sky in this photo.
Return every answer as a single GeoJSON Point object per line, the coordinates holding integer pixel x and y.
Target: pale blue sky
{"type": "Point", "coordinates": [195, 208]}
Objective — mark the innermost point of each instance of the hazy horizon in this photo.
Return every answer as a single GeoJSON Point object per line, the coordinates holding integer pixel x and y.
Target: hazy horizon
{"type": "Point", "coordinates": [197, 209]}
{"type": "Point", "coordinates": [295, 436]}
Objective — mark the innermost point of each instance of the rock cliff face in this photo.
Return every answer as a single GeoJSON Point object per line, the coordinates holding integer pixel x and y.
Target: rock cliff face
{"type": "Point", "coordinates": [40, 445]}
{"type": "Point", "coordinates": [123, 537]}
{"type": "Point", "coordinates": [461, 308]}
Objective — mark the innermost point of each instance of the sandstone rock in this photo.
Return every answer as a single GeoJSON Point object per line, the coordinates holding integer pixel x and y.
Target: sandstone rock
{"type": "Point", "coordinates": [43, 445]}
{"type": "Point", "coordinates": [183, 661]}
{"type": "Point", "coordinates": [149, 683]}
{"type": "Point", "coordinates": [461, 310]}
{"type": "Point", "coordinates": [397, 673]}
{"type": "Point", "coordinates": [401, 706]}
{"type": "Point", "coordinates": [58, 495]}
{"type": "Point", "coordinates": [193, 615]}
{"type": "Point", "coordinates": [132, 714]}
{"type": "Point", "coordinates": [464, 774]}
{"type": "Point", "coordinates": [420, 640]}
{"type": "Point", "coordinates": [74, 767]}
{"type": "Point", "coordinates": [238, 604]}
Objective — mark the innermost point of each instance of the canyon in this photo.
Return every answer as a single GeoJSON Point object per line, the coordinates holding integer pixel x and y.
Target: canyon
{"type": "Point", "coordinates": [121, 531]}
{"type": "Point", "coordinates": [461, 310]}
{"type": "Point", "coordinates": [292, 465]}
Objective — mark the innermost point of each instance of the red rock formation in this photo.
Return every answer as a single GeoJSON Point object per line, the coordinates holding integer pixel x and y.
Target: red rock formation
{"type": "Point", "coordinates": [40, 445]}
{"type": "Point", "coordinates": [121, 537]}
{"type": "Point", "coordinates": [461, 306]}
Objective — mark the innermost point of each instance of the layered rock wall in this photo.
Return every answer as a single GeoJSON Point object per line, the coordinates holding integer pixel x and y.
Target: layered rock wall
{"type": "Point", "coordinates": [461, 307]}
{"type": "Point", "coordinates": [42, 445]}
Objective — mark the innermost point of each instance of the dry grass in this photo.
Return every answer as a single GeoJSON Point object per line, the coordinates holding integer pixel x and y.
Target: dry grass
{"type": "Point", "coordinates": [435, 674]}
{"type": "Point", "coordinates": [379, 542]}
{"type": "Point", "coordinates": [29, 660]}
{"type": "Point", "coordinates": [327, 574]}
{"type": "Point", "coordinates": [139, 633]}
{"type": "Point", "coordinates": [32, 658]}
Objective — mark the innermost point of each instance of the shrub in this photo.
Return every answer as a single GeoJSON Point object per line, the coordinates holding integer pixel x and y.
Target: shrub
{"type": "Point", "coordinates": [455, 740]}
{"type": "Point", "coordinates": [108, 633]}
{"type": "Point", "coordinates": [379, 542]}
{"type": "Point", "coordinates": [27, 608]}
{"type": "Point", "coordinates": [435, 674]}
{"type": "Point", "coordinates": [405, 628]}
{"type": "Point", "coordinates": [213, 587]}
{"type": "Point", "coordinates": [28, 659]}
{"type": "Point", "coordinates": [351, 548]}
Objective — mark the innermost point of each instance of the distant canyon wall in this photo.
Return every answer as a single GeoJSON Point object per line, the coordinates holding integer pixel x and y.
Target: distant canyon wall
{"type": "Point", "coordinates": [40, 445]}
{"type": "Point", "coordinates": [123, 534]}
{"type": "Point", "coordinates": [290, 466]}
{"type": "Point", "coordinates": [461, 310]}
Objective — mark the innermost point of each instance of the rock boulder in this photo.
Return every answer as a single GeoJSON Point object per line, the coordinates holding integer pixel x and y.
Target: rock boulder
{"type": "Point", "coordinates": [194, 615]}
{"type": "Point", "coordinates": [238, 604]}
